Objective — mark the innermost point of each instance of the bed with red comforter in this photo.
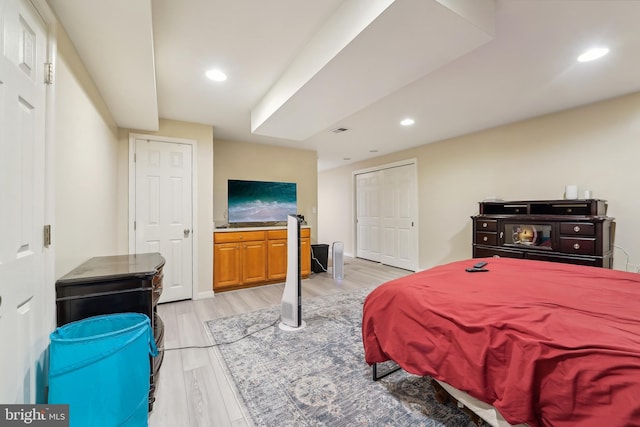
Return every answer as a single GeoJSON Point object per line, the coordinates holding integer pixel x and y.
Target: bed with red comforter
{"type": "Point", "coordinates": [547, 344]}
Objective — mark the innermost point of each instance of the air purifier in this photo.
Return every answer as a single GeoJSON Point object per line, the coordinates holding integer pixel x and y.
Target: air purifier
{"type": "Point", "coordinates": [291, 305]}
{"type": "Point", "coordinates": [337, 251]}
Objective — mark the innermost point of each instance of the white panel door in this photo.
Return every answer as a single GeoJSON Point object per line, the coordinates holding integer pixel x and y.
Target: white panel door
{"type": "Point", "coordinates": [163, 211]}
{"type": "Point", "coordinates": [368, 215]}
{"type": "Point", "coordinates": [23, 327]}
{"type": "Point", "coordinates": [398, 213]}
{"type": "Point", "coordinates": [386, 211]}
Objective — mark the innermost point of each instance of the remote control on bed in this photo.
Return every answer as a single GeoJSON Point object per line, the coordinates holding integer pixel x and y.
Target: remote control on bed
{"type": "Point", "coordinates": [477, 267]}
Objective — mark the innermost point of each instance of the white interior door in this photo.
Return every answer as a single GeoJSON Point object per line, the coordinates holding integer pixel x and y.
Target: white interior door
{"type": "Point", "coordinates": [368, 215]}
{"type": "Point", "coordinates": [164, 211]}
{"type": "Point", "coordinates": [398, 207]}
{"type": "Point", "coordinates": [386, 212]}
{"type": "Point", "coordinates": [23, 327]}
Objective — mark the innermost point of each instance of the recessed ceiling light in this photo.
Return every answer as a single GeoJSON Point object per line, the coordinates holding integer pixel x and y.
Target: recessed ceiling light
{"type": "Point", "coordinates": [591, 54]}
{"type": "Point", "coordinates": [216, 75]}
{"type": "Point", "coordinates": [407, 122]}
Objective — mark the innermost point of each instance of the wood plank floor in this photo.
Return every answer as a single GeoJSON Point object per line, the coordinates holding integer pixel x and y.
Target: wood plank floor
{"type": "Point", "coordinates": [193, 389]}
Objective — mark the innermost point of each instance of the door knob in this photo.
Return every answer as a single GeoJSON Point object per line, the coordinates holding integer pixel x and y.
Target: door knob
{"type": "Point", "coordinates": [186, 232]}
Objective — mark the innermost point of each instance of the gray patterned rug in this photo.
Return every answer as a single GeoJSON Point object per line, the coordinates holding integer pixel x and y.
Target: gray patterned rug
{"type": "Point", "coordinates": [317, 376]}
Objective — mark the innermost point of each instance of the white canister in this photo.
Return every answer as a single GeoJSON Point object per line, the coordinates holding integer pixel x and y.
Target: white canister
{"type": "Point", "coordinates": [571, 192]}
{"type": "Point", "coordinates": [587, 194]}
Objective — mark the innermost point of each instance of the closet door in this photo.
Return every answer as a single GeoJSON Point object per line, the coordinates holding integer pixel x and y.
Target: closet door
{"type": "Point", "coordinates": [386, 212]}
{"type": "Point", "coordinates": [368, 192]}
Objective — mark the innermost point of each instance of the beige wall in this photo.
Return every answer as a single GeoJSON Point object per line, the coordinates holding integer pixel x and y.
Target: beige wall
{"type": "Point", "coordinates": [92, 168]}
{"type": "Point", "coordinates": [85, 162]}
{"type": "Point", "coordinates": [595, 147]}
{"type": "Point", "coordinates": [241, 160]}
{"type": "Point", "coordinates": [203, 134]}
{"type": "Point", "coordinates": [91, 173]}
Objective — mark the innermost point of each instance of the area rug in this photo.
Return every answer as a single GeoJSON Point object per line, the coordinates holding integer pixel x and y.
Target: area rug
{"type": "Point", "coordinates": [317, 376]}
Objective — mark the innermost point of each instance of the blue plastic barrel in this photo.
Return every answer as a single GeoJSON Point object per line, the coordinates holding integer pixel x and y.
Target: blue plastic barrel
{"type": "Point", "coordinates": [100, 366]}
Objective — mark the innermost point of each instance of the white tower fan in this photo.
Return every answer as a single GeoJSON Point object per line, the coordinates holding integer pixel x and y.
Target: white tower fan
{"type": "Point", "coordinates": [337, 254]}
{"type": "Point", "coordinates": [291, 306]}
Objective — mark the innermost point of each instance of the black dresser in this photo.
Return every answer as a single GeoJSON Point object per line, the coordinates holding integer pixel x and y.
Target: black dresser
{"type": "Point", "coordinates": [115, 284]}
{"type": "Point", "coordinates": [568, 231]}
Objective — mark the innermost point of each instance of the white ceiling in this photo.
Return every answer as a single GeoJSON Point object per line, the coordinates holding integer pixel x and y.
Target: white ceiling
{"type": "Point", "coordinates": [298, 69]}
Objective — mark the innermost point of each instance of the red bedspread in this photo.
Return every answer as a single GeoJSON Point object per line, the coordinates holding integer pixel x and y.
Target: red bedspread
{"type": "Point", "coordinates": [547, 344]}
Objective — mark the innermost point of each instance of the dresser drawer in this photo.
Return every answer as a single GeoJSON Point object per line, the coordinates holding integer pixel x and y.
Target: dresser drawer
{"type": "Point", "coordinates": [579, 246]}
{"type": "Point", "coordinates": [480, 252]}
{"type": "Point", "coordinates": [238, 236]}
{"type": "Point", "coordinates": [486, 225]}
{"type": "Point", "coordinates": [276, 234]}
{"type": "Point", "coordinates": [486, 239]}
{"type": "Point", "coordinates": [578, 228]}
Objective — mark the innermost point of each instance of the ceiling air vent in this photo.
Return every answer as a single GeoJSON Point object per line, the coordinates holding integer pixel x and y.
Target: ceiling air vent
{"type": "Point", "coordinates": [339, 130]}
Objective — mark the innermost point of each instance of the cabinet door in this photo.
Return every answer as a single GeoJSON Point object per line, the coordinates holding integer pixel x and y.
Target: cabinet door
{"type": "Point", "coordinates": [277, 260]}
{"type": "Point", "coordinates": [226, 265]}
{"type": "Point", "coordinates": [305, 256]}
{"type": "Point", "coordinates": [254, 268]}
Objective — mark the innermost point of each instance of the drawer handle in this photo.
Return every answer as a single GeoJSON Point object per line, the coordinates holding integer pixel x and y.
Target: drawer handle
{"type": "Point", "coordinates": [576, 246]}
{"type": "Point", "coordinates": [485, 238]}
{"type": "Point", "coordinates": [484, 224]}
{"type": "Point", "coordinates": [569, 210]}
{"type": "Point", "coordinates": [576, 229]}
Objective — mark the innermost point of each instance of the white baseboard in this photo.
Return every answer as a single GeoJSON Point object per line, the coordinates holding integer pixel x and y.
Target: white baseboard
{"type": "Point", "coordinates": [205, 295]}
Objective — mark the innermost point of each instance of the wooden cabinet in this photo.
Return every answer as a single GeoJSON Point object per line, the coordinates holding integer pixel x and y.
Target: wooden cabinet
{"type": "Point", "coordinates": [250, 258]}
{"type": "Point", "coordinates": [305, 251]}
{"type": "Point", "coordinates": [569, 231]}
{"type": "Point", "coordinates": [277, 254]}
{"type": "Point", "coordinates": [227, 271]}
{"type": "Point", "coordinates": [254, 269]}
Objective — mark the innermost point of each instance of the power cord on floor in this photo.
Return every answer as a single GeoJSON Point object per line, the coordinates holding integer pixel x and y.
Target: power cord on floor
{"type": "Point", "coordinates": [248, 334]}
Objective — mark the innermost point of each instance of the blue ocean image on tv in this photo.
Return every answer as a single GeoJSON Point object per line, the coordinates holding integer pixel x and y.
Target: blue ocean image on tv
{"type": "Point", "coordinates": [261, 201]}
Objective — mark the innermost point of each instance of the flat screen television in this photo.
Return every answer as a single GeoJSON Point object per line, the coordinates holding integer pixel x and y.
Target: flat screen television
{"type": "Point", "coordinates": [260, 202]}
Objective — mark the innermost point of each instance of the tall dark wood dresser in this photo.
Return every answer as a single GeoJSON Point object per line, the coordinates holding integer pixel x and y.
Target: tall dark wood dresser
{"type": "Point", "coordinates": [115, 284]}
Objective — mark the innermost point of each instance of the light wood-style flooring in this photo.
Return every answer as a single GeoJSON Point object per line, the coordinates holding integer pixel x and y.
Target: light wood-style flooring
{"type": "Point", "coordinates": [193, 389]}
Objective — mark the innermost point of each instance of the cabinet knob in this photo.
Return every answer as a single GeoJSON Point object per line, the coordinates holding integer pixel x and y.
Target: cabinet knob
{"type": "Point", "coordinates": [576, 229]}
{"type": "Point", "coordinates": [484, 225]}
{"type": "Point", "coordinates": [569, 210]}
{"type": "Point", "coordinates": [485, 238]}
{"type": "Point", "coordinates": [576, 246]}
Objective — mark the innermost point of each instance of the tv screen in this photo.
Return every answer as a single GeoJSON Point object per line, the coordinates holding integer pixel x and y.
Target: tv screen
{"type": "Point", "coordinates": [252, 202]}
